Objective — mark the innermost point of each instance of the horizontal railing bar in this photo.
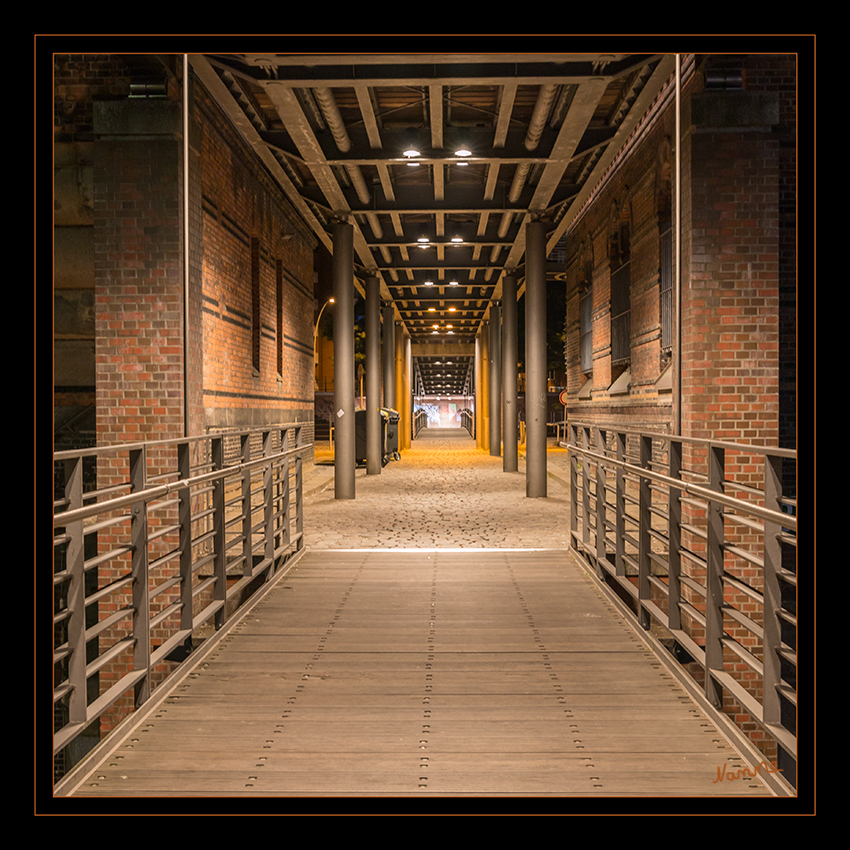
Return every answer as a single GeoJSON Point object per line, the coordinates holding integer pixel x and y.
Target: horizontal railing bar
{"type": "Point", "coordinates": [159, 653]}
{"type": "Point", "coordinates": [744, 555]}
{"type": "Point", "coordinates": [751, 625]}
{"type": "Point", "coordinates": [113, 652]}
{"type": "Point", "coordinates": [110, 620]}
{"type": "Point", "coordinates": [742, 587]}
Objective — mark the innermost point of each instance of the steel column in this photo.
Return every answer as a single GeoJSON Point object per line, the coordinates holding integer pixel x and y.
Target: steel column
{"type": "Point", "coordinates": [509, 374]}
{"type": "Point", "coordinates": [389, 355]}
{"type": "Point", "coordinates": [344, 390]}
{"type": "Point", "coordinates": [373, 377]}
{"type": "Point", "coordinates": [495, 379]}
{"type": "Point", "coordinates": [535, 360]}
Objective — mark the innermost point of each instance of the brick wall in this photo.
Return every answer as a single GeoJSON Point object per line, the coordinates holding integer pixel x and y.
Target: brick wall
{"type": "Point", "coordinates": [250, 289]}
{"type": "Point", "coordinates": [632, 201]}
{"type": "Point", "coordinates": [256, 290]}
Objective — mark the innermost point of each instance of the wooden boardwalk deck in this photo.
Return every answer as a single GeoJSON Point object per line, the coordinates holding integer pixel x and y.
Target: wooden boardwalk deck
{"type": "Point", "coordinates": [441, 673]}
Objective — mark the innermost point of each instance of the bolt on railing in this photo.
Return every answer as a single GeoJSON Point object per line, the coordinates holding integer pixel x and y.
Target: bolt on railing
{"type": "Point", "coordinates": [146, 564]}
{"type": "Point", "coordinates": [699, 537]}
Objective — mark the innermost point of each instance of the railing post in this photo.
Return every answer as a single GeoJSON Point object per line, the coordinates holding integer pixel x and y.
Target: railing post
{"type": "Point", "coordinates": [601, 506]}
{"type": "Point", "coordinates": [76, 602]}
{"type": "Point", "coordinates": [674, 537]}
{"type": "Point", "coordinates": [620, 514]}
{"type": "Point", "coordinates": [644, 538]}
{"type": "Point", "coordinates": [220, 537]}
{"type": "Point", "coordinates": [141, 589]}
{"type": "Point", "coordinates": [299, 488]}
{"type": "Point", "coordinates": [573, 440]}
{"type": "Point", "coordinates": [247, 535]}
{"type": "Point", "coordinates": [714, 578]}
{"type": "Point", "coordinates": [185, 535]}
{"type": "Point", "coordinates": [772, 592]}
{"type": "Point", "coordinates": [286, 518]}
{"type": "Point", "coordinates": [268, 503]}
{"type": "Point", "coordinates": [585, 486]}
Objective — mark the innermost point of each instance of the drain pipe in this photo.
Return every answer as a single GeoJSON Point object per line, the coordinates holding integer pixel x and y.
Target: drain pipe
{"type": "Point", "coordinates": [185, 245]}
{"type": "Point", "coordinates": [677, 247]}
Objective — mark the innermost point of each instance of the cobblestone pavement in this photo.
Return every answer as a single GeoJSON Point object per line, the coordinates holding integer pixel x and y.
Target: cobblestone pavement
{"type": "Point", "coordinates": [443, 493]}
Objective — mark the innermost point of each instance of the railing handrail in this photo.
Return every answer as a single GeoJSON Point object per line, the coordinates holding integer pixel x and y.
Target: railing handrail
{"type": "Point", "coordinates": [150, 493]}
{"type": "Point", "coordinates": [788, 520]}
{"type": "Point", "coordinates": [707, 442]}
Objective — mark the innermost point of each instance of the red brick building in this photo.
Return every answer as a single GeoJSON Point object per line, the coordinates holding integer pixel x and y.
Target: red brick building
{"type": "Point", "coordinates": [732, 325]}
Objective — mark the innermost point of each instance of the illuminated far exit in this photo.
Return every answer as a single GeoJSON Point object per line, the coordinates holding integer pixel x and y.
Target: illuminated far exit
{"type": "Point", "coordinates": [445, 411]}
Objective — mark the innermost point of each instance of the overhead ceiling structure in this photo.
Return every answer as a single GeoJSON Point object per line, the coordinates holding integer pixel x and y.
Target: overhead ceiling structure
{"type": "Point", "coordinates": [438, 161]}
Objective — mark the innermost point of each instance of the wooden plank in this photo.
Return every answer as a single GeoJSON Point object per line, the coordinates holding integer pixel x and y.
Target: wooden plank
{"type": "Point", "coordinates": [404, 675]}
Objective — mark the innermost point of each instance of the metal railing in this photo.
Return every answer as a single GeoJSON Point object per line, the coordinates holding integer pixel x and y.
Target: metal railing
{"type": "Point", "coordinates": [699, 538]}
{"type": "Point", "coordinates": [420, 421]}
{"type": "Point", "coordinates": [174, 537]}
{"type": "Point", "coordinates": [467, 420]}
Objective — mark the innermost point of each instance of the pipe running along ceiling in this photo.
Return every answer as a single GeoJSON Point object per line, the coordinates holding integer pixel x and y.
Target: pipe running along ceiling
{"type": "Point", "coordinates": [498, 140]}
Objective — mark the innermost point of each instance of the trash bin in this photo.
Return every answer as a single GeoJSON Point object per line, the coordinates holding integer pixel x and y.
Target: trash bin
{"type": "Point", "coordinates": [360, 437]}
{"type": "Point", "coordinates": [391, 418]}
{"type": "Point", "coordinates": [389, 436]}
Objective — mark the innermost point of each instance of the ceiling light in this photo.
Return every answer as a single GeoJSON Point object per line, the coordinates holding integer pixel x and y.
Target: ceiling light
{"type": "Point", "coordinates": [452, 309]}
{"type": "Point", "coordinates": [457, 239]}
{"type": "Point", "coordinates": [422, 239]}
{"type": "Point", "coordinates": [432, 309]}
{"type": "Point", "coordinates": [463, 152]}
{"type": "Point", "coordinates": [411, 152]}
{"type": "Point", "coordinates": [453, 283]}
{"type": "Point", "coordinates": [429, 283]}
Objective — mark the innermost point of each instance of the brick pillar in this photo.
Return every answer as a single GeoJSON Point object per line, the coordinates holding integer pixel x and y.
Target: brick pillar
{"type": "Point", "coordinates": [730, 317]}
{"type": "Point", "coordinates": [139, 306]}
{"type": "Point", "coordinates": [138, 270]}
{"type": "Point", "coordinates": [730, 303]}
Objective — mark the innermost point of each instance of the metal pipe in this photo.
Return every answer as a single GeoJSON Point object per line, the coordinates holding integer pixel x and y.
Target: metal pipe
{"type": "Point", "coordinates": [677, 248]}
{"type": "Point", "coordinates": [495, 352]}
{"type": "Point", "coordinates": [344, 389]}
{"type": "Point", "coordinates": [536, 405]}
{"type": "Point", "coordinates": [373, 377]}
{"type": "Point", "coordinates": [185, 245]}
{"type": "Point", "coordinates": [389, 355]}
{"type": "Point", "coordinates": [509, 374]}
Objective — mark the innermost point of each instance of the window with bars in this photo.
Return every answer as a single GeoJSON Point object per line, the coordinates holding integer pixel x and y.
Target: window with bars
{"type": "Point", "coordinates": [666, 283]}
{"type": "Point", "coordinates": [621, 325]}
{"type": "Point", "coordinates": [586, 329]}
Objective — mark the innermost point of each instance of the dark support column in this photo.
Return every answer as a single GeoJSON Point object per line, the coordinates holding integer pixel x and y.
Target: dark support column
{"type": "Point", "coordinates": [509, 374]}
{"type": "Point", "coordinates": [344, 429]}
{"type": "Point", "coordinates": [389, 355]}
{"type": "Point", "coordinates": [373, 377]}
{"type": "Point", "coordinates": [535, 360]}
{"type": "Point", "coordinates": [496, 379]}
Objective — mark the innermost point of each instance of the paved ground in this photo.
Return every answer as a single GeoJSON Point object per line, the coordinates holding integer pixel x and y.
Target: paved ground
{"type": "Point", "coordinates": [443, 493]}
